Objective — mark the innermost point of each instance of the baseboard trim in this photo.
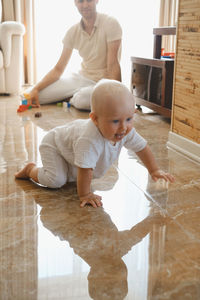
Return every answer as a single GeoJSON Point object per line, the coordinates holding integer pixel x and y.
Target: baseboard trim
{"type": "Point", "coordinates": [184, 146]}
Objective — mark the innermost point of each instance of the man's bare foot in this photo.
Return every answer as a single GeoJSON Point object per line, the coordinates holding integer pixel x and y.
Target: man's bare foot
{"type": "Point", "coordinates": [25, 172]}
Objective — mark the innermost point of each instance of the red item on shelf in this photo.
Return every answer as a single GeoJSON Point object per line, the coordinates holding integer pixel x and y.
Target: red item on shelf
{"type": "Point", "coordinates": [162, 51]}
{"type": "Point", "coordinates": [171, 54]}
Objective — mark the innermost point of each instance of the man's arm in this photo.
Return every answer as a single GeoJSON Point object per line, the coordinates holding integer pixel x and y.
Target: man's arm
{"type": "Point", "coordinates": [113, 65]}
{"type": "Point", "coordinates": [51, 76]}
{"type": "Point", "coordinates": [84, 178]}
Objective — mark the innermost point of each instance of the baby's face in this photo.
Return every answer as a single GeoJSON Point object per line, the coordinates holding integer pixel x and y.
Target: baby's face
{"type": "Point", "coordinates": [116, 121]}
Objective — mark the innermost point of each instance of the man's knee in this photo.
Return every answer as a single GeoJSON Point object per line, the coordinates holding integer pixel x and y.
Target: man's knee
{"type": "Point", "coordinates": [80, 102]}
{"type": "Point", "coordinates": [82, 98]}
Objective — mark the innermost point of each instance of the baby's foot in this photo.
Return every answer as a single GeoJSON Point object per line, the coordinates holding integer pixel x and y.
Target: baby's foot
{"type": "Point", "coordinates": [24, 173]}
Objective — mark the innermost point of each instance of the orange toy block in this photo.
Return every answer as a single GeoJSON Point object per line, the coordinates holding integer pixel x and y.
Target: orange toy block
{"type": "Point", "coordinates": [24, 107]}
{"type": "Point", "coordinates": [27, 96]}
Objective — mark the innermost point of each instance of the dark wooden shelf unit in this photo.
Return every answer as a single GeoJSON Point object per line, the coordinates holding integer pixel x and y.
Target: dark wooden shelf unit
{"type": "Point", "coordinates": [152, 82]}
{"type": "Point", "coordinates": [152, 78]}
{"type": "Point", "coordinates": [158, 32]}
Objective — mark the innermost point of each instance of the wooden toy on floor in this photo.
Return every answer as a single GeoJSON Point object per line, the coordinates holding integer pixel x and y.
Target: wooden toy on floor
{"type": "Point", "coordinates": [38, 114]}
{"type": "Point", "coordinates": [24, 106]}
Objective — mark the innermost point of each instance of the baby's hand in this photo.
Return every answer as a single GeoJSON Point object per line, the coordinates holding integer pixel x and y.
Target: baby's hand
{"type": "Point", "coordinates": [94, 200]}
{"type": "Point", "coordinates": [163, 175]}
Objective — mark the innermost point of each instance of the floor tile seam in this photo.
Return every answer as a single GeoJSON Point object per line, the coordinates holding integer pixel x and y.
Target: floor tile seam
{"type": "Point", "coordinates": [18, 218]}
{"type": "Point", "coordinates": [191, 184]}
{"type": "Point", "coordinates": [186, 212]}
{"type": "Point", "coordinates": [164, 211]}
{"type": "Point", "coordinates": [177, 188]}
{"type": "Point", "coordinates": [149, 196]}
{"type": "Point", "coordinates": [142, 190]}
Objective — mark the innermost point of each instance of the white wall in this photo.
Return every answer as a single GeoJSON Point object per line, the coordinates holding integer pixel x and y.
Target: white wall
{"type": "Point", "coordinates": [137, 19]}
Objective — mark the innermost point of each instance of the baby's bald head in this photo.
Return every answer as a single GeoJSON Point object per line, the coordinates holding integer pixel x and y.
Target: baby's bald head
{"type": "Point", "coordinates": [110, 94]}
{"type": "Point", "coordinates": [112, 109]}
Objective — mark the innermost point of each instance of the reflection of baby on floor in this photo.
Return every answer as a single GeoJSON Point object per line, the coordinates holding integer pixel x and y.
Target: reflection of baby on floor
{"type": "Point", "coordinates": [95, 238]}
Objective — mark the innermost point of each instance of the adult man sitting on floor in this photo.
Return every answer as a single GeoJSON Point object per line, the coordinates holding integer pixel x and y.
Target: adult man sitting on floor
{"type": "Point", "coordinates": [98, 40]}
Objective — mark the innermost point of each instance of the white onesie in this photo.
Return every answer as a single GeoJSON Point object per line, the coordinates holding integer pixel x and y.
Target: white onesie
{"type": "Point", "coordinates": [81, 144]}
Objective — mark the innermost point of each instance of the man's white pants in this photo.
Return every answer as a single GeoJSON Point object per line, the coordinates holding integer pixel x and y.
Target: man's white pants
{"type": "Point", "coordinates": [76, 86]}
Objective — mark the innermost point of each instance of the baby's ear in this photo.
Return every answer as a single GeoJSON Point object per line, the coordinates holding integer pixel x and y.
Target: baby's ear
{"type": "Point", "coordinates": [93, 117]}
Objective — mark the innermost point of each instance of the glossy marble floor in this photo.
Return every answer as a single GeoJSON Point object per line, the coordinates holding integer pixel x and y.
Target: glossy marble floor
{"type": "Point", "coordinates": [143, 244]}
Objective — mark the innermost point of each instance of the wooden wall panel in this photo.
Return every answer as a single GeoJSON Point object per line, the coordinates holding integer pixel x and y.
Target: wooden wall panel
{"type": "Point", "coordinates": [186, 97]}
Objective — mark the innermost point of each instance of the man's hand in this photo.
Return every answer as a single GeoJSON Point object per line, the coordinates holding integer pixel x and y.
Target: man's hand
{"type": "Point", "coordinates": [159, 174]}
{"type": "Point", "coordinates": [33, 98]}
{"type": "Point", "coordinates": [92, 199]}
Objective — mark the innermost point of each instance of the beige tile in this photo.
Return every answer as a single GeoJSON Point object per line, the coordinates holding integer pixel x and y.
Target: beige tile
{"type": "Point", "coordinates": [143, 244]}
